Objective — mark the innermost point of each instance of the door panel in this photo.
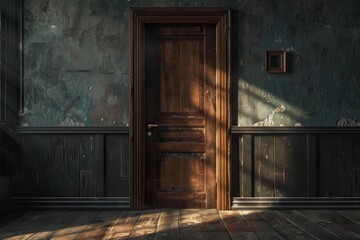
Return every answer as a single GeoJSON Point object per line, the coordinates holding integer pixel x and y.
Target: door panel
{"type": "Point", "coordinates": [180, 99]}
{"type": "Point", "coordinates": [180, 90]}
{"type": "Point", "coordinates": [181, 172]}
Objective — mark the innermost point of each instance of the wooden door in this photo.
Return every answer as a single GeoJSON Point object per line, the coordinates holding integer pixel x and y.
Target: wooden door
{"type": "Point", "coordinates": [180, 125]}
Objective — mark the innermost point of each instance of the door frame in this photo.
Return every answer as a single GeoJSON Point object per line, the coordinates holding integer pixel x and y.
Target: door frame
{"type": "Point", "coordinates": [220, 18]}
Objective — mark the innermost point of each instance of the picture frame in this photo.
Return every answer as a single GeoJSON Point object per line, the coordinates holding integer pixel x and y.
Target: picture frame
{"type": "Point", "coordinates": [276, 61]}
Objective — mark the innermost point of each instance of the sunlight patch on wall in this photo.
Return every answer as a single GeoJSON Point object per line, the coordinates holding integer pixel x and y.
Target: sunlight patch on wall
{"type": "Point", "coordinates": [257, 107]}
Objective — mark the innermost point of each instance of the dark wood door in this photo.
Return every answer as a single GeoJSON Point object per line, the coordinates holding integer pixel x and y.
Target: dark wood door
{"type": "Point", "coordinates": [180, 116]}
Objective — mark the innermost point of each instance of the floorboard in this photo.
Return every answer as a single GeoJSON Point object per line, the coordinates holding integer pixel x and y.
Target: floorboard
{"type": "Point", "coordinates": [212, 226]}
{"type": "Point", "coordinates": [98, 228]}
{"type": "Point", "coordinates": [21, 228]}
{"type": "Point", "coordinates": [145, 227]}
{"type": "Point", "coordinates": [285, 228]}
{"type": "Point", "coordinates": [190, 227]}
{"type": "Point", "coordinates": [168, 225]}
{"type": "Point", "coordinates": [334, 223]}
{"type": "Point", "coordinates": [305, 224]}
{"type": "Point", "coordinates": [236, 226]}
{"type": "Point", "coordinates": [8, 217]}
{"type": "Point", "coordinates": [123, 226]}
{"type": "Point", "coordinates": [259, 226]}
{"type": "Point", "coordinates": [182, 224]}
{"type": "Point", "coordinates": [77, 222]}
{"type": "Point", "coordinates": [354, 216]}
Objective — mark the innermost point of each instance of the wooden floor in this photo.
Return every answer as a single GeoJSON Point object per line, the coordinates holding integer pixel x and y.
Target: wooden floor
{"type": "Point", "coordinates": [182, 224]}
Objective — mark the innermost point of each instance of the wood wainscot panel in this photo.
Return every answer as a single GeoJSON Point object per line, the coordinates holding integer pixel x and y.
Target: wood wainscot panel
{"type": "Point", "coordinates": [264, 166]}
{"type": "Point", "coordinates": [66, 157]}
{"type": "Point", "coordinates": [80, 164]}
{"type": "Point", "coordinates": [9, 149]}
{"type": "Point", "coordinates": [281, 165]}
{"type": "Point", "coordinates": [117, 172]}
{"type": "Point", "coordinates": [296, 167]}
{"type": "Point", "coordinates": [62, 165]}
{"type": "Point", "coordinates": [246, 163]}
{"type": "Point", "coordinates": [291, 172]}
{"type": "Point", "coordinates": [339, 162]}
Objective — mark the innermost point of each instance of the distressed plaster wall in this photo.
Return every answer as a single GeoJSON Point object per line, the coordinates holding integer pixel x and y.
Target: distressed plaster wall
{"type": "Point", "coordinates": [77, 60]}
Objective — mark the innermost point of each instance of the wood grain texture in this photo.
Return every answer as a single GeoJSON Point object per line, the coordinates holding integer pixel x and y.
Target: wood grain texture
{"type": "Point", "coordinates": [264, 164]}
{"type": "Point", "coordinates": [312, 164]}
{"type": "Point", "coordinates": [142, 18]}
{"type": "Point", "coordinates": [260, 226]}
{"type": "Point", "coordinates": [123, 226]}
{"type": "Point", "coordinates": [301, 165]}
{"type": "Point", "coordinates": [340, 226]}
{"type": "Point", "coordinates": [236, 226]}
{"type": "Point", "coordinates": [73, 155]}
{"type": "Point", "coordinates": [181, 172]}
{"type": "Point", "coordinates": [29, 170]}
{"type": "Point", "coordinates": [25, 227]}
{"type": "Point", "coordinates": [58, 169]}
{"type": "Point", "coordinates": [184, 224]}
{"type": "Point", "coordinates": [338, 165]}
{"type": "Point", "coordinates": [246, 171]}
{"type": "Point", "coordinates": [283, 226]}
{"type": "Point", "coordinates": [280, 166]}
{"type": "Point", "coordinates": [300, 221]}
{"type": "Point", "coordinates": [9, 156]}
{"type": "Point", "coordinates": [180, 91]}
{"type": "Point", "coordinates": [168, 225]}
{"type": "Point", "coordinates": [100, 225]}
{"type": "Point", "coordinates": [182, 146]}
{"type": "Point", "coordinates": [146, 226]}
{"type": "Point", "coordinates": [117, 167]}
{"type": "Point", "coordinates": [293, 163]}
{"type": "Point", "coordinates": [73, 165]}
{"type": "Point", "coordinates": [76, 222]}
{"type": "Point", "coordinates": [179, 136]}
{"type": "Point", "coordinates": [190, 224]}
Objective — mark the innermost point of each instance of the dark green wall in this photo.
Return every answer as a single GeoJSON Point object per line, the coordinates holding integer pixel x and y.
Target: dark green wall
{"type": "Point", "coordinates": [77, 60]}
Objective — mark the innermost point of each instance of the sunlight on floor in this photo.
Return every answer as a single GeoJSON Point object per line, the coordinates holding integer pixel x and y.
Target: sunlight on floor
{"type": "Point", "coordinates": [185, 224]}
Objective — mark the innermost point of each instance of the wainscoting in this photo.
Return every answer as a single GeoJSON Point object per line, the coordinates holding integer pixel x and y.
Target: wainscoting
{"type": "Point", "coordinates": [7, 147]}
{"type": "Point", "coordinates": [295, 167]}
{"type": "Point", "coordinates": [73, 168]}
{"type": "Point", "coordinates": [271, 168]}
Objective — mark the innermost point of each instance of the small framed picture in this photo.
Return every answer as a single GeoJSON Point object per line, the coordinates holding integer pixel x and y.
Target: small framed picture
{"type": "Point", "coordinates": [276, 61]}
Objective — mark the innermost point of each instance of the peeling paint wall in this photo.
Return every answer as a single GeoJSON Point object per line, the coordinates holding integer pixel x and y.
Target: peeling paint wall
{"type": "Point", "coordinates": [323, 39]}
{"type": "Point", "coordinates": [76, 66]}
{"type": "Point", "coordinates": [77, 60]}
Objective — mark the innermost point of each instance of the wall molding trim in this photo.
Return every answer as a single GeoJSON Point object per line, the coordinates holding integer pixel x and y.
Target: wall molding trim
{"type": "Point", "coordinates": [73, 130]}
{"type": "Point", "coordinates": [69, 203]}
{"type": "Point", "coordinates": [295, 203]}
{"type": "Point", "coordinates": [284, 130]}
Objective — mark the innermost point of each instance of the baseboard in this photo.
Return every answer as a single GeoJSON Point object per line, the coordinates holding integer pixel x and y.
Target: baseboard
{"type": "Point", "coordinates": [66, 203]}
{"type": "Point", "coordinates": [241, 203]}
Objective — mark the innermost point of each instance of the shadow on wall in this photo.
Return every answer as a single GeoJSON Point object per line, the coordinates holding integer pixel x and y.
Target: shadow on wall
{"type": "Point", "coordinates": [321, 88]}
{"type": "Point", "coordinates": [73, 53]}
